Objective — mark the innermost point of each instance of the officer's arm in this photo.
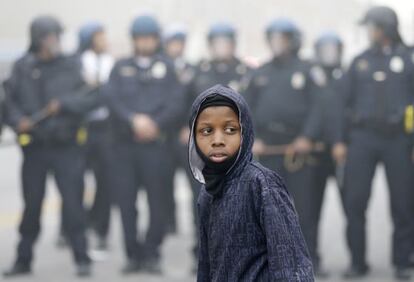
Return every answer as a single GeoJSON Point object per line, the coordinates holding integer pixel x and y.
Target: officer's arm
{"type": "Point", "coordinates": [12, 111]}
{"type": "Point", "coordinates": [313, 122]}
{"type": "Point", "coordinates": [343, 102]}
{"type": "Point", "coordinates": [174, 103]}
{"type": "Point", "coordinates": [251, 94]}
{"type": "Point", "coordinates": [82, 97]}
{"type": "Point", "coordinates": [336, 112]}
{"type": "Point", "coordinates": [250, 90]}
{"type": "Point", "coordinates": [80, 101]}
{"type": "Point", "coordinates": [110, 92]}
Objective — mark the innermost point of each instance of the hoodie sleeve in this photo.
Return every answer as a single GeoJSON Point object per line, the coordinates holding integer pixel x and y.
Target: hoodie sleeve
{"type": "Point", "coordinates": [287, 252]}
{"type": "Point", "coordinates": [203, 272]}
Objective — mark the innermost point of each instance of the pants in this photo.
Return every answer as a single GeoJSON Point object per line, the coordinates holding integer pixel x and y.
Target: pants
{"type": "Point", "coordinates": [98, 159]}
{"type": "Point", "coordinates": [148, 165]}
{"type": "Point", "coordinates": [66, 164]}
{"type": "Point", "coordinates": [366, 149]}
{"type": "Point", "coordinates": [323, 167]}
{"type": "Point", "coordinates": [299, 184]}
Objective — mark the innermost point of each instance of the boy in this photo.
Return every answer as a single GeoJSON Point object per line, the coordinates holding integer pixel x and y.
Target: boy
{"type": "Point", "coordinates": [249, 229]}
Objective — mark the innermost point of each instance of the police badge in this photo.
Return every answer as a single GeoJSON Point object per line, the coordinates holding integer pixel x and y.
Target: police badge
{"type": "Point", "coordinates": [298, 81]}
{"type": "Point", "coordinates": [159, 70]}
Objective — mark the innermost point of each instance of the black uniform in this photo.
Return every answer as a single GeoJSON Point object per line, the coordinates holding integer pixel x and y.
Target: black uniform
{"type": "Point", "coordinates": [153, 90]}
{"type": "Point", "coordinates": [281, 95]}
{"type": "Point", "coordinates": [378, 87]}
{"type": "Point", "coordinates": [328, 81]}
{"type": "Point", "coordinates": [52, 146]}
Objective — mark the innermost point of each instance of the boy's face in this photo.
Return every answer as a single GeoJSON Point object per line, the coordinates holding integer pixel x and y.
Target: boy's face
{"type": "Point", "coordinates": [218, 133]}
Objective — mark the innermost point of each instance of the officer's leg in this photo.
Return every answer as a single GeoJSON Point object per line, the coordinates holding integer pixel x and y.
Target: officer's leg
{"type": "Point", "coordinates": [155, 166]}
{"type": "Point", "coordinates": [124, 189]}
{"type": "Point", "coordinates": [101, 208]}
{"type": "Point", "coordinates": [322, 170]}
{"type": "Point", "coordinates": [68, 166]}
{"type": "Point", "coordinates": [169, 192]}
{"type": "Point", "coordinates": [359, 171]}
{"type": "Point", "coordinates": [300, 184]}
{"type": "Point", "coordinates": [34, 172]}
{"type": "Point", "coordinates": [398, 170]}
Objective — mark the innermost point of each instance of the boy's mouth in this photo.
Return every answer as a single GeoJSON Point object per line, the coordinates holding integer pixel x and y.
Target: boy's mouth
{"type": "Point", "coordinates": [218, 157]}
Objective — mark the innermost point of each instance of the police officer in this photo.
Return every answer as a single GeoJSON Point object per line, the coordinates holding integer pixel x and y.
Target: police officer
{"type": "Point", "coordinates": [224, 67]}
{"type": "Point", "coordinates": [45, 102]}
{"type": "Point", "coordinates": [282, 97]}
{"type": "Point", "coordinates": [145, 99]}
{"type": "Point", "coordinates": [96, 67]}
{"type": "Point", "coordinates": [327, 74]}
{"type": "Point", "coordinates": [174, 43]}
{"type": "Point", "coordinates": [379, 88]}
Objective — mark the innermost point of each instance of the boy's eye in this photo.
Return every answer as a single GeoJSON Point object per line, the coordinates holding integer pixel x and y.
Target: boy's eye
{"type": "Point", "coordinates": [230, 130]}
{"type": "Point", "coordinates": [205, 131]}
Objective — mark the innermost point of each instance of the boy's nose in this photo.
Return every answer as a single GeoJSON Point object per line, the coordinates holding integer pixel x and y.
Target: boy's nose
{"type": "Point", "coordinates": [218, 140]}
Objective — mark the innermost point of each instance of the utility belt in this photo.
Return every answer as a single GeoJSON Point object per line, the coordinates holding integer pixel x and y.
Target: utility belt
{"type": "Point", "coordinates": [293, 161]}
{"type": "Point", "coordinates": [70, 137]}
{"type": "Point", "coordinates": [398, 124]}
{"type": "Point", "coordinates": [380, 127]}
{"type": "Point", "coordinates": [277, 133]}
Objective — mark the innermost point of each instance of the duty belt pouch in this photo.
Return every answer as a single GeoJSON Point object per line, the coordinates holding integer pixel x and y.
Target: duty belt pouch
{"type": "Point", "coordinates": [409, 119]}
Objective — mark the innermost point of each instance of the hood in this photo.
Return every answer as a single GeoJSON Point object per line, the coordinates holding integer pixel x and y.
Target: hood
{"type": "Point", "coordinates": [247, 134]}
